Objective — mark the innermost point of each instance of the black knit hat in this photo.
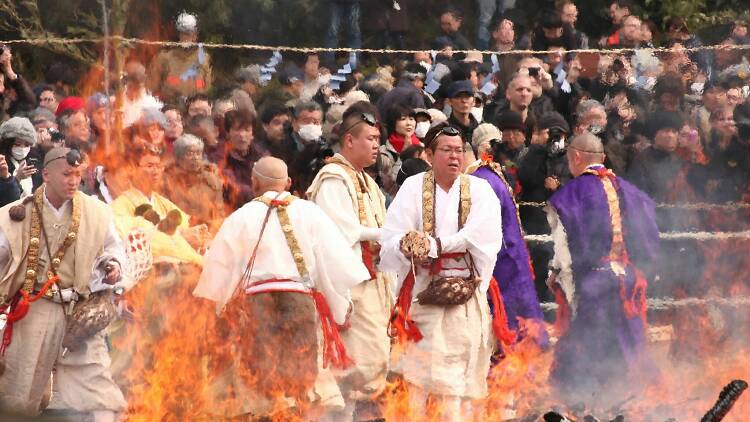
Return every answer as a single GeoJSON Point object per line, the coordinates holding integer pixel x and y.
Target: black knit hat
{"type": "Point", "coordinates": [663, 120]}
{"type": "Point", "coordinates": [552, 120]}
{"type": "Point", "coordinates": [509, 120]}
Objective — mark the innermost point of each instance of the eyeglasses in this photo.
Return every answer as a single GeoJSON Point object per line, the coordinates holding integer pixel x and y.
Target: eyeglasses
{"type": "Point", "coordinates": [447, 130]}
{"type": "Point", "coordinates": [363, 118]}
{"type": "Point", "coordinates": [449, 151]}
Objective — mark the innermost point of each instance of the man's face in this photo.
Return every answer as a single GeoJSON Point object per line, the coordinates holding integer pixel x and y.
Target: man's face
{"type": "Point", "coordinates": [308, 118]}
{"type": "Point", "coordinates": [192, 160]}
{"type": "Point", "coordinates": [422, 56]}
{"type": "Point", "coordinates": [448, 157]}
{"type": "Point", "coordinates": [79, 130]}
{"type": "Point", "coordinates": [153, 173]}
{"type": "Point", "coordinates": [714, 98]}
{"type": "Point", "coordinates": [174, 124]}
{"type": "Point", "coordinates": [631, 29]}
{"type": "Point", "coordinates": [569, 14]}
{"type": "Point", "coordinates": [595, 117]}
{"type": "Point", "coordinates": [462, 103]}
{"type": "Point", "coordinates": [669, 102]}
{"type": "Point", "coordinates": [312, 67]}
{"type": "Point", "coordinates": [552, 33]}
{"type": "Point", "coordinates": [275, 128]}
{"type": "Point", "coordinates": [188, 37]}
{"type": "Point", "coordinates": [364, 145]}
{"type": "Point", "coordinates": [240, 139]}
{"type": "Point", "coordinates": [61, 179]}
{"type": "Point", "coordinates": [734, 97]}
{"type": "Point", "coordinates": [617, 14]}
{"type": "Point", "coordinates": [449, 24]}
{"type": "Point", "coordinates": [504, 33]}
{"type": "Point", "coordinates": [199, 107]}
{"type": "Point", "coordinates": [666, 139]}
{"type": "Point", "coordinates": [48, 100]}
{"type": "Point", "coordinates": [519, 93]}
{"type": "Point", "coordinates": [515, 139]}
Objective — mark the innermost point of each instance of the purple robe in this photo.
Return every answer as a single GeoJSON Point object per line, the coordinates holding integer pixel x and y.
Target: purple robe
{"type": "Point", "coordinates": [512, 269]}
{"type": "Point", "coordinates": [602, 343]}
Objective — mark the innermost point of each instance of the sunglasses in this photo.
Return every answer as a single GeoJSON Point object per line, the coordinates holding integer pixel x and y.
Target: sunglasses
{"type": "Point", "coordinates": [447, 130]}
{"type": "Point", "coordinates": [363, 118]}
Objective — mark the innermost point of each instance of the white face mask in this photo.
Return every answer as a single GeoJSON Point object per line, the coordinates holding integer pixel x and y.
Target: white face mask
{"type": "Point", "coordinates": [19, 153]}
{"type": "Point", "coordinates": [310, 132]}
{"type": "Point", "coordinates": [477, 113]}
{"type": "Point", "coordinates": [421, 129]}
{"type": "Point", "coordinates": [697, 87]}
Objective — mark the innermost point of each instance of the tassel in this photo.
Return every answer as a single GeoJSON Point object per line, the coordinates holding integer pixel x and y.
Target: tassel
{"type": "Point", "coordinates": [401, 327]}
{"type": "Point", "coordinates": [500, 319]}
{"type": "Point", "coordinates": [636, 305]}
{"type": "Point", "coordinates": [334, 351]}
{"type": "Point", "coordinates": [367, 259]}
{"type": "Point", "coordinates": [562, 321]}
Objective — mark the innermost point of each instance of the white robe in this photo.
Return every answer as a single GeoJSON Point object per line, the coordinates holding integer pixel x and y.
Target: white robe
{"type": "Point", "coordinates": [453, 358]}
{"type": "Point", "coordinates": [332, 266]}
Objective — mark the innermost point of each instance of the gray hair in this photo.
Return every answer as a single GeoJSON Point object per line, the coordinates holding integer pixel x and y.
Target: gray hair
{"type": "Point", "coordinates": [63, 121]}
{"type": "Point", "coordinates": [308, 106]}
{"type": "Point", "coordinates": [585, 106]}
{"type": "Point", "coordinates": [184, 142]}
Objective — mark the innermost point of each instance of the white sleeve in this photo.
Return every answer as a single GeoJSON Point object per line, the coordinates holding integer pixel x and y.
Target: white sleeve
{"type": "Point", "coordinates": [4, 252]}
{"type": "Point", "coordinates": [562, 262]}
{"type": "Point", "coordinates": [402, 216]}
{"type": "Point", "coordinates": [333, 197]}
{"type": "Point", "coordinates": [114, 251]}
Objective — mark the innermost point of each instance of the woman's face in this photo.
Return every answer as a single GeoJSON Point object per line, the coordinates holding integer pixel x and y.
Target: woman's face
{"type": "Point", "coordinates": [405, 126]}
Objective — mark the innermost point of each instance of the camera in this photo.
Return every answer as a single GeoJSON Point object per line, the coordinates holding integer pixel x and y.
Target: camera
{"type": "Point", "coordinates": [556, 143]}
{"type": "Point", "coordinates": [56, 135]}
{"type": "Point", "coordinates": [534, 72]}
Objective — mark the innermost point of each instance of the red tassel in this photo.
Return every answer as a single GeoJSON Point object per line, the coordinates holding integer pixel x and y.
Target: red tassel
{"type": "Point", "coordinates": [562, 321]}
{"type": "Point", "coordinates": [500, 319]}
{"type": "Point", "coordinates": [401, 327]}
{"type": "Point", "coordinates": [334, 351]}
{"type": "Point", "coordinates": [367, 259]}
{"type": "Point", "coordinates": [636, 305]}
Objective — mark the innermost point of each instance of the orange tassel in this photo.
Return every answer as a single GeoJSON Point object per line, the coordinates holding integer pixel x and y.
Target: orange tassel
{"type": "Point", "coordinates": [500, 319]}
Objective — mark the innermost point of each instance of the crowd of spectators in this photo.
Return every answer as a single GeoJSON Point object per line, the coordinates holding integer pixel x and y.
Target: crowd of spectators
{"type": "Point", "coordinates": [675, 123]}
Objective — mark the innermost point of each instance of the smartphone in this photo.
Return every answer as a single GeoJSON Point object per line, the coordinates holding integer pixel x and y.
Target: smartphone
{"type": "Point", "coordinates": [534, 72]}
{"type": "Point", "coordinates": [32, 161]}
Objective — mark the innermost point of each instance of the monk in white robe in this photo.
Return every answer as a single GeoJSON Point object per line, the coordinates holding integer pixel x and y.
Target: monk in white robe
{"type": "Point", "coordinates": [355, 203]}
{"type": "Point", "coordinates": [299, 252]}
{"type": "Point", "coordinates": [448, 348]}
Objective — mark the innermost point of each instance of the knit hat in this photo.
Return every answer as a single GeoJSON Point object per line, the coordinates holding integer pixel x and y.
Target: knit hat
{"type": "Point", "coordinates": [554, 120]}
{"type": "Point", "coordinates": [18, 128]}
{"type": "Point", "coordinates": [509, 120]}
{"type": "Point", "coordinates": [436, 116]}
{"type": "Point", "coordinates": [70, 103]}
{"type": "Point", "coordinates": [484, 133]}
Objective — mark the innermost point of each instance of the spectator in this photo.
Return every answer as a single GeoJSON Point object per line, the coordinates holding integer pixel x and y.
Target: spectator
{"type": "Point", "coordinates": [677, 31]}
{"type": "Point", "coordinates": [630, 32]}
{"type": "Point", "coordinates": [199, 104]}
{"type": "Point", "coordinates": [136, 97]}
{"type": "Point", "coordinates": [246, 91]}
{"type": "Point", "coordinates": [450, 26]}
{"type": "Point", "coordinates": [17, 141]}
{"type": "Point", "coordinates": [387, 23]}
{"type": "Point", "coordinates": [180, 72]}
{"type": "Point", "coordinates": [714, 97]}
{"type": "Point", "coordinates": [503, 39]}
{"type": "Point", "coordinates": [569, 17]}
{"type": "Point", "coordinates": [518, 97]}
{"type": "Point", "coordinates": [241, 156]}
{"type": "Point", "coordinates": [47, 97]}
{"type": "Point", "coordinates": [149, 131]}
{"type": "Point", "coordinates": [174, 126]}
{"type": "Point", "coordinates": [400, 123]}
{"type": "Point", "coordinates": [312, 76]}
{"type": "Point", "coordinates": [45, 125]}
{"type": "Point", "coordinates": [344, 12]}
{"type": "Point", "coordinates": [9, 190]}
{"type": "Point", "coordinates": [76, 129]}
{"type": "Point", "coordinates": [304, 148]}
{"type": "Point", "coordinates": [273, 119]}
{"type": "Point", "coordinates": [97, 109]}
{"type": "Point", "coordinates": [618, 10]}
{"type": "Point", "coordinates": [461, 98]}
{"type": "Point", "coordinates": [551, 32]}
{"type": "Point", "coordinates": [423, 120]}
{"type": "Point", "coordinates": [410, 167]}
{"type": "Point", "coordinates": [408, 92]}
{"type": "Point", "coordinates": [487, 11]}
{"type": "Point", "coordinates": [205, 129]}
{"type": "Point", "coordinates": [194, 184]}
{"type": "Point", "coordinates": [15, 94]}
{"type": "Point", "coordinates": [61, 76]}
{"type": "Point", "coordinates": [648, 33]}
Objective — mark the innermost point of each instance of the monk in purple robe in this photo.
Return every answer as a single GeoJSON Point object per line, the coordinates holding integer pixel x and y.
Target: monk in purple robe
{"type": "Point", "coordinates": [605, 233]}
{"type": "Point", "coordinates": [513, 267]}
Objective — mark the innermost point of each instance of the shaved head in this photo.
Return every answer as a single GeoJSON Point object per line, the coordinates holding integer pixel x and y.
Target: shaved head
{"type": "Point", "coordinates": [270, 173]}
{"type": "Point", "coordinates": [584, 150]}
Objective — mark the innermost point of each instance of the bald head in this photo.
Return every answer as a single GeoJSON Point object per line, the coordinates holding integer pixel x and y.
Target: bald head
{"type": "Point", "coordinates": [584, 150]}
{"type": "Point", "coordinates": [270, 173]}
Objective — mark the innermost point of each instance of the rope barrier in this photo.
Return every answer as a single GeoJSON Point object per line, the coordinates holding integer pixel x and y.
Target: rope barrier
{"type": "Point", "coordinates": [729, 206]}
{"type": "Point", "coordinates": [545, 238]}
{"type": "Point", "coordinates": [261, 47]}
{"type": "Point", "coordinates": [660, 304]}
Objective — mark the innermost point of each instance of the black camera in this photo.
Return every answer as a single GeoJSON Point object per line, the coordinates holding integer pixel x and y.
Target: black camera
{"type": "Point", "coordinates": [556, 142]}
{"type": "Point", "coordinates": [534, 72]}
{"type": "Point", "coordinates": [56, 135]}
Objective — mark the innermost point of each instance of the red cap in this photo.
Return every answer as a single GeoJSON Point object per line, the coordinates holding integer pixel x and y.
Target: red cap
{"type": "Point", "coordinates": [70, 103]}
